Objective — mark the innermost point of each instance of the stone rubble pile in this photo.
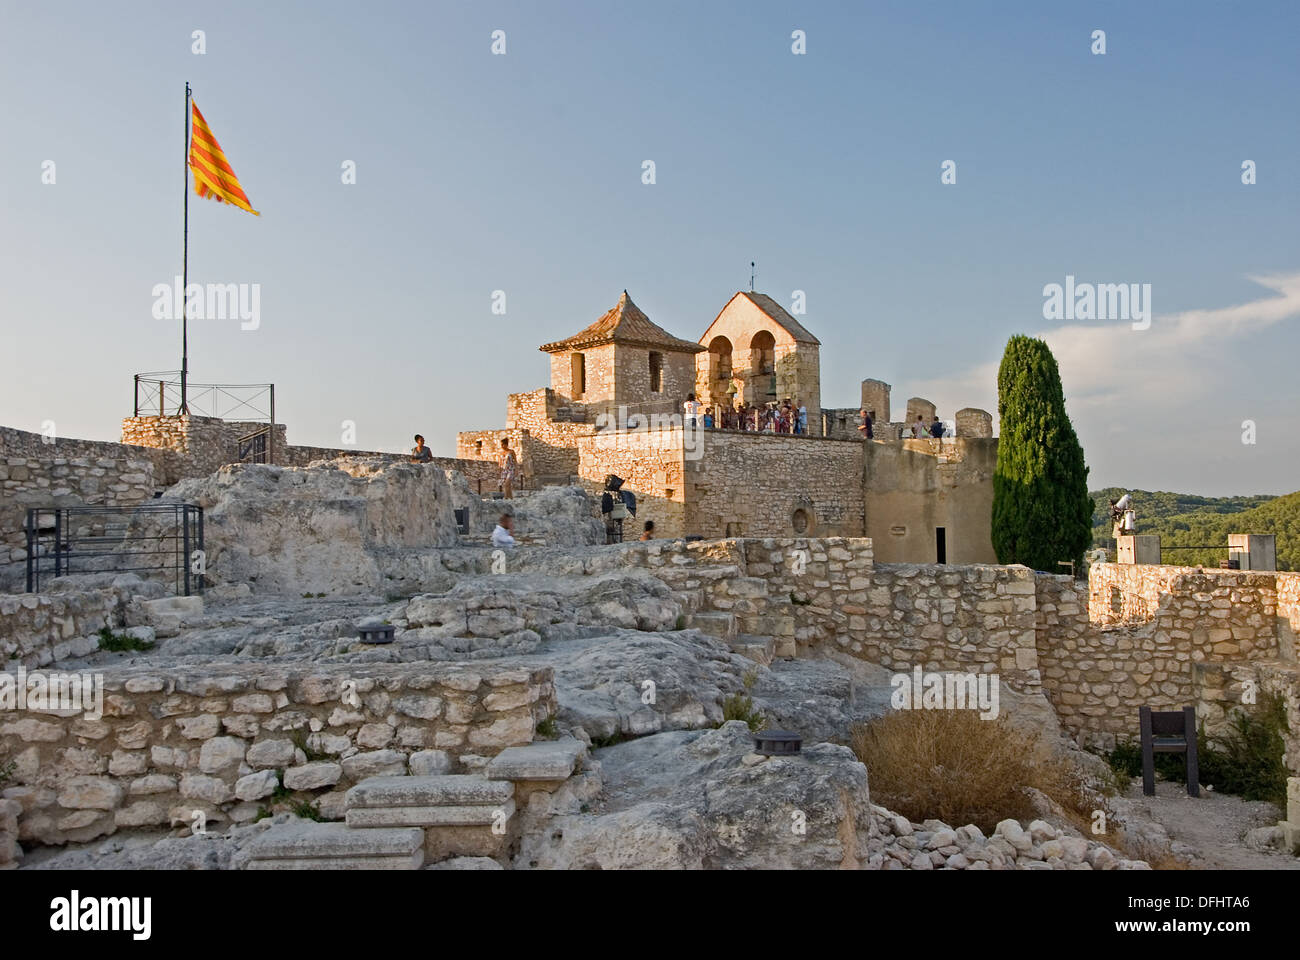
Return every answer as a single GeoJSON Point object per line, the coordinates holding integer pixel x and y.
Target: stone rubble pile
{"type": "Point", "coordinates": [933, 845]}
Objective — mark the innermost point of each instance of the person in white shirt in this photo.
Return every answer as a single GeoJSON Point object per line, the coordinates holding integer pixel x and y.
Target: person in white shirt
{"type": "Point", "coordinates": [692, 408]}
{"type": "Point", "coordinates": [501, 535]}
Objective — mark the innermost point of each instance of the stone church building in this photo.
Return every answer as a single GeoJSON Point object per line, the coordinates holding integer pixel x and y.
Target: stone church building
{"type": "Point", "coordinates": [614, 406]}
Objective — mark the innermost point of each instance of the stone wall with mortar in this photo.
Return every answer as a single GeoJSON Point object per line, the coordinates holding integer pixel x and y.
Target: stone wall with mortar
{"type": "Point", "coordinates": [652, 464]}
{"type": "Point", "coordinates": [553, 447]}
{"type": "Point", "coordinates": [773, 485]}
{"type": "Point", "coordinates": [27, 482]}
{"type": "Point", "coordinates": [484, 447]}
{"type": "Point", "coordinates": [598, 374]}
{"type": "Point", "coordinates": [220, 738]}
{"type": "Point", "coordinates": [204, 443]}
{"type": "Point", "coordinates": [37, 629]}
{"type": "Point", "coordinates": [23, 443]}
{"type": "Point", "coordinates": [1161, 636]}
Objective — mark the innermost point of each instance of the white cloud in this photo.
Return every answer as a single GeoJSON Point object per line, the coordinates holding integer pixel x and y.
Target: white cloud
{"type": "Point", "coordinates": [1120, 383]}
{"type": "Point", "coordinates": [1111, 366]}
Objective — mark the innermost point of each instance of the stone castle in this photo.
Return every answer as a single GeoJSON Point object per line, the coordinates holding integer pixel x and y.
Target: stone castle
{"type": "Point", "coordinates": [614, 406]}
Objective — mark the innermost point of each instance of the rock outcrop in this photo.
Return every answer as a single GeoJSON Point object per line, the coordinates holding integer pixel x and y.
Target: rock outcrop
{"type": "Point", "coordinates": [704, 799]}
{"type": "Point", "coordinates": [320, 528]}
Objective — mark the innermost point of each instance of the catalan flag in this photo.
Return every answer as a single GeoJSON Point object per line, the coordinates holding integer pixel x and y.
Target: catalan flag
{"type": "Point", "coordinates": [213, 175]}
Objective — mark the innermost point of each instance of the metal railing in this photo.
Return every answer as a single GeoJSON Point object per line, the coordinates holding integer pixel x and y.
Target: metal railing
{"type": "Point", "coordinates": [159, 541]}
{"type": "Point", "coordinates": [159, 394]}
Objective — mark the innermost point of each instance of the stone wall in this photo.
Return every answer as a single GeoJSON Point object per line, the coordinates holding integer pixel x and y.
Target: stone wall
{"type": "Point", "coordinates": [552, 444]}
{"type": "Point", "coordinates": [37, 629]}
{"type": "Point", "coordinates": [220, 739]}
{"type": "Point", "coordinates": [204, 443]}
{"type": "Point", "coordinates": [632, 368]}
{"type": "Point", "coordinates": [598, 373]}
{"type": "Point", "coordinates": [652, 464]}
{"type": "Point", "coordinates": [484, 447]}
{"type": "Point", "coordinates": [913, 488]}
{"type": "Point", "coordinates": [1161, 636]}
{"type": "Point", "coordinates": [973, 422]}
{"type": "Point", "coordinates": [841, 423]}
{"type": "Point", "coordinates": [22, 443]}
{"type": "Point", "coordinates": [875, 397]}
{"type": "Point", "coordinates": [27, 482]}
{"type": "Point", "coordinates": [773, 485]}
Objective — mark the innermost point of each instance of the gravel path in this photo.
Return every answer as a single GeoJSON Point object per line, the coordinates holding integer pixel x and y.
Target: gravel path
{"type": "Point", "coordinates": [1213, 825]}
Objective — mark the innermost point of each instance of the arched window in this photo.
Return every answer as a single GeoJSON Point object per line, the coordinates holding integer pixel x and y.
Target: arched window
{"type": "Point", "coordinates": [762, 353]}
{"type": "Point", "coordinates": [720, 359]}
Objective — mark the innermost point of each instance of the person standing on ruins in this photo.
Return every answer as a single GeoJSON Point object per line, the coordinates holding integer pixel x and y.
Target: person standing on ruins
{"type": "Point", "coordinates": [868, 417]}
{"type": "Point", "coordinates": [509, 469]}
{"type": "Point", "coordinates": [803, 417]}
{"type": "Point", "coordinates": [936, 427]}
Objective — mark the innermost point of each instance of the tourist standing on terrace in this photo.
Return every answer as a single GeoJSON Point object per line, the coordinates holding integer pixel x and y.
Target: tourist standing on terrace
{"type": "Point", "coordinates": [868, 417]}
{"type": "Point", "coordinates": [509, 469]}
{"type": "Point", "coordinates": [692, 408]}
{"type": "Point", "coordinates": [420, 453]}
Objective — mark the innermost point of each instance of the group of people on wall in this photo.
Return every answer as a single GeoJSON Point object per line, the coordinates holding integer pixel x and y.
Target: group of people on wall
{"type": "Point", "coordinates": [916, 430]}
{"type": "Point", "coordinates": [785, 416]}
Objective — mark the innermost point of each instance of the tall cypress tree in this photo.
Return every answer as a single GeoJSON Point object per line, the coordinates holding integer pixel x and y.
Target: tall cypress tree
{"type": "Point", "coordinates": [1041, 509]}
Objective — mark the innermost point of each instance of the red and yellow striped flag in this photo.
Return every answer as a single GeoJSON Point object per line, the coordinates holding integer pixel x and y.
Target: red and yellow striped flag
{"type": "Point", "coordinates": [213, 175]}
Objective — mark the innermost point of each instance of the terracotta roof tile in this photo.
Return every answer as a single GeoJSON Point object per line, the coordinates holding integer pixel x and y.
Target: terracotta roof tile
{"type": "Point", "coordinates": [625, 323]}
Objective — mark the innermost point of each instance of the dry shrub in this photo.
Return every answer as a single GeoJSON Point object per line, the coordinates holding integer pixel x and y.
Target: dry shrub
{"type": "Point", "coordinates": [952, 766]}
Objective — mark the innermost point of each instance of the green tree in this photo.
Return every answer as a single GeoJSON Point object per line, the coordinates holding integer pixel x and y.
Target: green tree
{"type": "Point", "coordinates": [1042, 512]}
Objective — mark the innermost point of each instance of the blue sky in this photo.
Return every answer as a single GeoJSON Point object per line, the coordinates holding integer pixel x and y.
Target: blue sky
{"type": "Point", "coordinates": [522, 173]}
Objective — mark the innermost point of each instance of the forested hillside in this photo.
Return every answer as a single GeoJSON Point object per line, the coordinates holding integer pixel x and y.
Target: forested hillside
{"type": "Point", "coordinates": [1183, 520]}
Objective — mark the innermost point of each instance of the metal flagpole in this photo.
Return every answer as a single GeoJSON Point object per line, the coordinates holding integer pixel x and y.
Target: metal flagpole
{"type": "Point", "coordinates": [185, 268]}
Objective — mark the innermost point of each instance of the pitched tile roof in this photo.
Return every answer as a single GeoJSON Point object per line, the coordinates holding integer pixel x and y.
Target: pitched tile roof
{"type": "Point", "coordinates": [625, 323]}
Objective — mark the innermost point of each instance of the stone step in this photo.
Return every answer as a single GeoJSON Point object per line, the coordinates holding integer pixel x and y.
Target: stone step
{"type": "Point", "coordinates": [449, 790]}
{"type": "Point", "coordinates": [690, 600]}
{"type": "Point", "coordinates": [318, 843]}
{"type": "Point", "coordinates": [542, 760]}
{"type": "Point", "coordinates": [759, 649]}
{"type": "Point", "coordinates": [720, 625]}
{"type": "Point", "coordinates": [769, 624]}
{"type": "Point", "coordinates": [749, 588]}
{"type": "Point", "coordinates": [478, 815]}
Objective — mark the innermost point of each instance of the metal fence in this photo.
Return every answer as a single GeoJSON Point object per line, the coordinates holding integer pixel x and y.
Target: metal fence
{"type": "Point", "coordinates": [159, 394]}
{"type": "Point", "coordinates": [158, 541]}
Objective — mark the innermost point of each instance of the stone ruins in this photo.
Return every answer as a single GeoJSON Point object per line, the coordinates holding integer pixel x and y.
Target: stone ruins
{"type": "Point", "coordinates": [356, 677]}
